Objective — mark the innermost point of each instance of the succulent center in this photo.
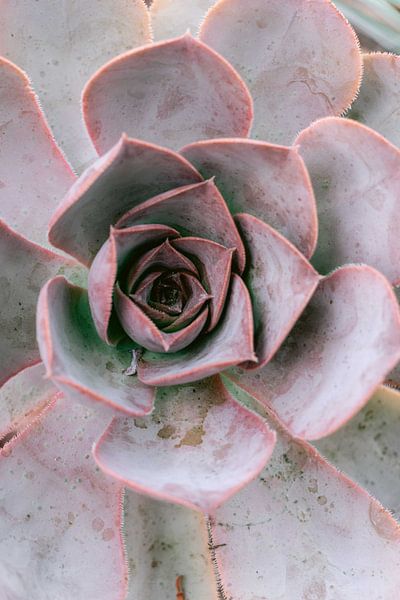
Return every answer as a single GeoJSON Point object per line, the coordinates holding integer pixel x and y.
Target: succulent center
{"type": "Point", "coordinates": [168, 293]}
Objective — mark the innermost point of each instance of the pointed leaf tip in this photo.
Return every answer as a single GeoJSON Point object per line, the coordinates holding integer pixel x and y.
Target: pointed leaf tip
{"type": "Point", "coordinates": [96, 201]}
{"type": "Point", "coordinates": [280, 281]}
{"type": "Point", "coordinates": [170, 18]}
{"type": "Point", "coordinates": [265, 180]}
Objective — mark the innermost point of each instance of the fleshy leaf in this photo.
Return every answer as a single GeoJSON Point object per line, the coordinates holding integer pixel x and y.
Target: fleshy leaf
{"type": "Point", "coordinates": [77, 360]}
{"type": "Point", "coordinates": [264, 180]}
{"type": "Point", "coordinates": [367, 448]}
{"type": "Point", "coordinates": [280, 282]}
{"type": "Point", "coordinates": [131, 172]}
{"type": "Point", "coordinates": [111, 257]}
{"type": "Point", "coordinates": [22, 399]}
{"type": "Point", "coordinates": [60, 45]}
{"type": "Point", "coordinates": [144, 332]}
{"type": "Point", "coordinates": [378, 104]}
{"type": "Point", "coordinates": [304, 530]}
{"type": "Point", "coordinates": [215, 266]}
{"type": "Point", "coordinates": [61, 517]}
{"type": "Point", "coordinates": [393, 379]}
{"type": "Point", "coordinates": [167, 541]}
{"type": "Point", "coordinates": [170, 93]}
{"type": "Point", "coordinates": [228, 344]}
{"type": "Point", "coordinates": [300, 60]}
{"type": "Point", "coordinates": [24, 269]}
{"type": "Point", "coordinates": [33, 173]}
{"type": "Point", "coordinates": [342, 348]}
{"type": "Point", "coordinates": [165, 256]}
{"type": "Point", "coordinates": [170, 18]}
{"type": "Point", "coordinates": [356, 177]}
{"type": "Point", "coordinates": [201, 444]}
{"type": "Point", "coordinates": [192, 210]}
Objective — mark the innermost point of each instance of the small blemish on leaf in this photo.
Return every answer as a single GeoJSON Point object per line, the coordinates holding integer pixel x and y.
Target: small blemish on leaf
{"type": "Point", "coordinates": [97, 524]}
{"type": "Point", "coordinates": [313, 487]}
{"type": "Point", "coordinates": [108, 535]}
{"type": "Point", "coordinates": [111, 367]}
{"type": "Point", "coordinates": [194, 437]}
{"type": "Point", "coordinates": [166, 432]}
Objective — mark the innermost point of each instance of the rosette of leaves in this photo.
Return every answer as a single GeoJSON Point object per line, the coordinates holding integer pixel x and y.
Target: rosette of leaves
{"type": "Point", "coordinates": [221, 296]}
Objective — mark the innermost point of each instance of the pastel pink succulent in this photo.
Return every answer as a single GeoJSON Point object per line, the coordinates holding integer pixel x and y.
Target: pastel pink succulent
{"type": "Point", "coordinates": [224, 296]}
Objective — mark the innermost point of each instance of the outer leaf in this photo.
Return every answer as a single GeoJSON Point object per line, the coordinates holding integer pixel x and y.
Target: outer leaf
{"type": "Point", "coordinates": [24, 269]}
{"type": "Point", "coordinates": [280, 282]}
{"type": "Point", "coordinates": [378, 104]}
{"type": "Point", "coordinates": [164, 542]}
{"type": "Point", "coordinates": [342, 348]}
{"type": "Point", "coordinates": [33, 173]}
{"type": "Point", "coordinates": [264, 180]}
{"type": "Point", "coordinates": [170, 18]}
{"type": "Point", "coordinates": [393, 379]}
{"type": "Point", "coordinates": [77, 360]}
{"type": "Point", "coordinates": [131, 172]}
{"type": "Point", "coordinates": [61, 518]}
{"type": "Point", "coordinates": [171, 93]}
{"type": "Point", "coordinates": [356, 178]}
{"type": "Point", "coordinates": [201, 444]}
{"type": "Point", "coordinates": [60, 45]}
{"type": "Point", "coordinates": [300, 60]}
{"type": "Point", "coordinates": [367, 448]}
{"type": "Point", "coordinates": [192, 210]}
{"type": "Point", "coordinates": [228, 344]}
{"type": "Point", "coordinates": [305, 531]}
{"type": "Point", "coordinates": [22, 399]}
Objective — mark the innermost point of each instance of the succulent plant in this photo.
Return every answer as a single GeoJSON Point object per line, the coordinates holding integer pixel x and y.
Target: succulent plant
{"type": "Point", "coordinates": [222, 295]}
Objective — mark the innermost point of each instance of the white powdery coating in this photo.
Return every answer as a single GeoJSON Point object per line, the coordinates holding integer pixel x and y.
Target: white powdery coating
{"type": "Point", "coordinates": [60, 516]}
{"type": "Point", "coordinates": [60, 45]}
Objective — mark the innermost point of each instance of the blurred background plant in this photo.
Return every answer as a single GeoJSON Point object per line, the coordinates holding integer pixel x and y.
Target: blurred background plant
{"type": "Point", "coordinates": [378, 22]}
